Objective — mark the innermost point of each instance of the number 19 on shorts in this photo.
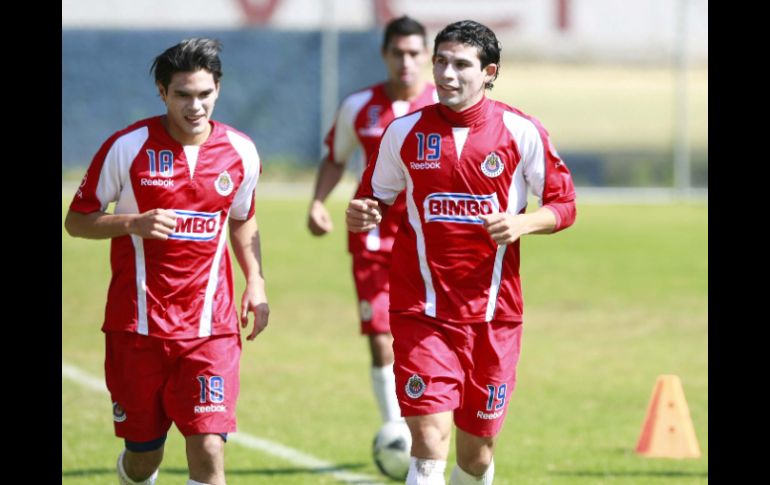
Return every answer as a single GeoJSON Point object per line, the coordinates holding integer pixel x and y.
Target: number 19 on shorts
{"type": "Point", "coordinates": [497, 396]}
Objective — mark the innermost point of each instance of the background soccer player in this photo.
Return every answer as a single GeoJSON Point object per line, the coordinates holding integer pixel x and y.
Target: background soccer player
{"type": "Point", "coordinates": [456, 304]}
{"type": "Point", "coordinates": [361, 120]}
{"type": "Point", "coordinates": [181, 183]}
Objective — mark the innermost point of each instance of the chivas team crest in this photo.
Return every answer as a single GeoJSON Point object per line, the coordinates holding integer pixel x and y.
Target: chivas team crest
{"type": "Point", "coordinates": [415, 387]}
{"type": "Point", "coordinates": [118, 413]}
{"type": "Point", "coordinates": [224, 184]}
{"type": "Point", "coordinates": [492, 166]}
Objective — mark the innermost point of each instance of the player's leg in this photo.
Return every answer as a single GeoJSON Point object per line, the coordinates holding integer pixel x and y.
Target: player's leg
{"type": "Point", "coordinates": [383, 378]}
{"type": "Point", "coordinates": [371, 280]}
{"type": "Point", "coordinates": [428, 383]}
{"type": "Point", "coordinates": [430, 447]}
{"type": "Point", "coordinates": [139, 462]}
{"type": "Point", "coordinates": [475, 464]}
{"type": "Point", "coordinates": [135, 379]}
{"type": "Point", "coordinates": [206, 458]}
{"type": "Point", "coordinates": [201, 398]}
{"type": "Point", "coordinates": [495, 354]}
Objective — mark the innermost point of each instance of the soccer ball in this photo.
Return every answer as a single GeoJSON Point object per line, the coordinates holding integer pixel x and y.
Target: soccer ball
{"type": "Point", "coordinates": [391, 449]}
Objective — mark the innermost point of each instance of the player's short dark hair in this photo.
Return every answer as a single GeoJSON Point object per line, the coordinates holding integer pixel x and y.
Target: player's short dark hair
{"type": "Point", "coordinates": [474, 34]}
{"type": "Point", "coordinates": [403, 26]}
{"type": "Point", "coordinates": [190, 55]}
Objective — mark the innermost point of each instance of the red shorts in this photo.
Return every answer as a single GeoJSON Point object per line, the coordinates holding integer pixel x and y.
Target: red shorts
{"type": "Point", "coordinates": [154, 382]}
{"type": "Point", "coordinates": [466, 368]}
{"type": "Point", "coordinates": [371, 279]}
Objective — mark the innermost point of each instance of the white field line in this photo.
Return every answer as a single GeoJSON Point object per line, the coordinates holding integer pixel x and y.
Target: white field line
{"type": "Point", "coordinates": [272, 448]}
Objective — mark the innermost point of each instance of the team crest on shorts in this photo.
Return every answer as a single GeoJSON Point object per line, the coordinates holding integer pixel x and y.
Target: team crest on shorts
{"type": "Point", "coordinates": [224, 184]}
{"type": "Point", "coordinates": [492, 166]}
{"type": "Point", "coordinates": [118, 413]}
{"type": "Point", "coordinates": [415, 387]}
{"type": "Point", "coordinates": [365, 310]}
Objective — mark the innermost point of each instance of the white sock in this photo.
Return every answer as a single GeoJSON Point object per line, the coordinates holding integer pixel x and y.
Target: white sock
{"type": "Point", "coordinates": [425, 472]}
{"type": "Point", "coordinates": [123, 477]}
{"type": "Point", "coordinates": [190, 481]}
{"type": "Point", "coordinates": [384, 385]}
{"type": "Point", "coordinates": [461, 477]}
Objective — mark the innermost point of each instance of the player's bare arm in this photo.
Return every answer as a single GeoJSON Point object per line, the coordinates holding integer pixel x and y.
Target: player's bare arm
{"type": "Point", "coordinates": [152, 224]}
{"type": "Point", "coordinates": [507, 228]}
{"type": "Point", "coordinates": [244, 238]}
{"type": "Point", "coordinates": [329, 174]}
{"type": "Point", "coordinates": [362, 215]}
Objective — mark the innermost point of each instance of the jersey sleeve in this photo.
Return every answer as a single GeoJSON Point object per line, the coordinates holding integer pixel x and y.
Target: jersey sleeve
{"type": "Point", "coordinates": [243, 202]}
{"type": "Point", "coordinates": [108, 173]}
{"type": "Point", "coordinates": [341, 141]}
{"type": "Point", "coordinates": [384, 177]}
{"type": "Point", "coordinates": [549, 178]}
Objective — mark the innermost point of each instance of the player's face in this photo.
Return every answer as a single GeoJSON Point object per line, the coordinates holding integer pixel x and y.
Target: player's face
{"type": "Point", "coordinates": [189, 101]}
{"type": "Point", "coordinates": [404, 58]}
{"type": "Point", "coordinates": [459, 76]}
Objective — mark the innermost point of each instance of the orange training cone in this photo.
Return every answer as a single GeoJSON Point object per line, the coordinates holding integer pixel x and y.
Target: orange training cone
{"type": "Point", "coordinates": [667, 431]}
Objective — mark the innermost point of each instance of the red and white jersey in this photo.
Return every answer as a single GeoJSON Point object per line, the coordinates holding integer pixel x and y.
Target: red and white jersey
{"type": "Point", "coordinates": [360, 123]}
{"type": "Point", "coordinates": [182, 287]}
{"type": "Point", "coordinates": [455, 167]}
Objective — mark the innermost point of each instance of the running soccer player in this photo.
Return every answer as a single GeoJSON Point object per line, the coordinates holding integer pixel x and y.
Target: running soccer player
{"type": "Point", "coordinates": [456, 304]}
{"type": "Point", "coordinates": [361, 120]}
{"type": "Point", "coordinates": [181, 182]}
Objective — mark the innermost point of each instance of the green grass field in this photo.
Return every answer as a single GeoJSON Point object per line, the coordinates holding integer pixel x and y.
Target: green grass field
{"type": "Point", "coordinates": [611, 303]}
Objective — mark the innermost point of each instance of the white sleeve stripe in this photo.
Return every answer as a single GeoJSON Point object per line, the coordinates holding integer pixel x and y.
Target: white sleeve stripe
{"type": "Point", "coordinates": [250, 159]}
{"type": "Point", "coordinates": [114, 175]}
{"type": "Point", "coordinates": [389, 172]}
{"type": "Point", "coordinates": [530, 146]}
{"type": "Point", "coordinates": [345, 140]}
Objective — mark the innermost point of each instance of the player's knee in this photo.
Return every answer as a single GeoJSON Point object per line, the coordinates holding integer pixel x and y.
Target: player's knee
{"type": "Point", "coordinates": [428, 436]}
{"type": "Point", "coordinates": [142, 459]}
{"type": "Point", "coordinates": [208, 447]}
{"type": "Point", "coordinates": [475, 460]}
{"type": "Point", "coordinates": [139, 467]}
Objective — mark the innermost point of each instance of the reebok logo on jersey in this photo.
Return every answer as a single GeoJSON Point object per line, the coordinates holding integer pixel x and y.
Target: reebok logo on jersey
{"type": "Point", "coordinates": [425, 165]}
{"type": "Point", "coordinates": [375, 131]}
{"type": "Point", "coordinates": [196, 226]}
{"type": "Point", "coordinates": [459, 208]}
{"type": "Point", "coordinates": [144, 182]}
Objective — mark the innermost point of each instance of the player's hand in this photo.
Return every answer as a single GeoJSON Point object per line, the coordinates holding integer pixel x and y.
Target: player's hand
{"type": "Point", "coordinates": [153, 224]}
{"type": "Point", "coordinates": [318, 219]}
{"type": "Point", "coordinates": [254, 301]}
{"type": "Point", "coordinates": [362, 215]}
{"type": "Point", "coordinates": [504, 228]}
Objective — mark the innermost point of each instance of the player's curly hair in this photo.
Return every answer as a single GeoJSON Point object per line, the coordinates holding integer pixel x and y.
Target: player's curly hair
{"type": "Point", "coordinates": [189, 55]}
{"type": "Point", "coordinates": [472, 33]}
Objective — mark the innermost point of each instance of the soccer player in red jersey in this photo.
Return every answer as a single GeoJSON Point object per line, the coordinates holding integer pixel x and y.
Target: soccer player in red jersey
{"type": "Point", "coordinates": [456, 306]}
{"type": "Point", "coordinates": [181, 183]}
{"type": "Point", "coordinates": [361, 120]}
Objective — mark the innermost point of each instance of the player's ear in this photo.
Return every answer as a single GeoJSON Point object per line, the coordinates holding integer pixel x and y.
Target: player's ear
{"type": "Point", "coordinates": [490, 72]}
{"type": "Point", "coordinates": [161, 91]}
